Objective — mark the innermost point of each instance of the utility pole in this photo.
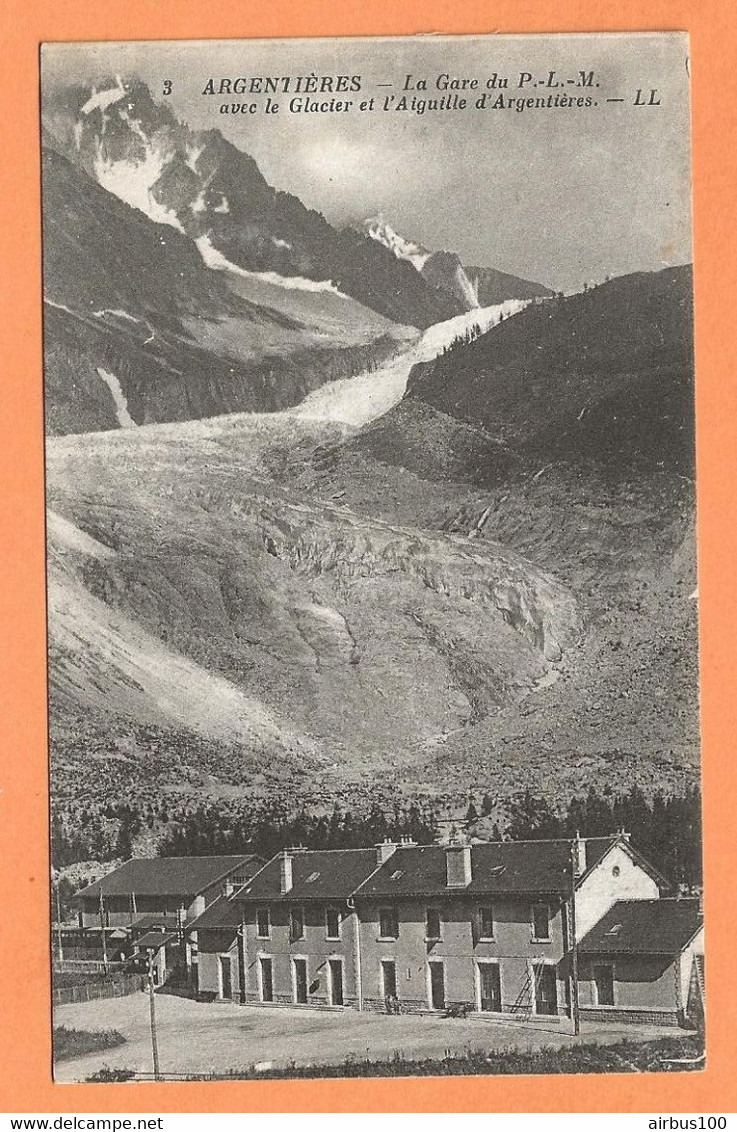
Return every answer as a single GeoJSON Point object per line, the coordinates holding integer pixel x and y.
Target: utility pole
{"type": "Point", "coordinates": [152, 1011]}
{"type": "Point", "coordinates": [102, 930]}
{"type": "Point", "coordinates": [242, 961]}
{"type": "Point", "coordinates": [60, 945]}
{"type": "Point", "coordinates": [575, 1013]}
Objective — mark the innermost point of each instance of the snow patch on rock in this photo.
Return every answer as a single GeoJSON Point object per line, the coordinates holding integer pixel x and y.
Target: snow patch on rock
{"type": "Point", "coordinates": [100, 100]}
{"type": "Point", "coordinates": [383, 233]}
{"type": "Point", "coordinates": [133, 181]}
{"type": "Point", "coordinates": [217, 261]}
{"type": "Point", "coordinates": [125, 420]}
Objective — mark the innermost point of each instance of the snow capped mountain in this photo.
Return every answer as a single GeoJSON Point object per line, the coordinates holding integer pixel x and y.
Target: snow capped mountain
{"type": "Point", "coordinates": [472, 287]}
{"type": "Point", "coordinates": [203, 186]}
{"type": "Point", "coordinates": [383, 233]}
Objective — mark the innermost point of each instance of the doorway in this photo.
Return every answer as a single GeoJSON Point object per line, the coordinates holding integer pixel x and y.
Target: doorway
{"type": "Point", "coordinates": [267, 981]}
{"type": "Point", "coordinates": [437, 985]}
{"type": "Point", "coordinates": [546, 988]}
{"type": "Point", "coordinates": [299, 967]}
{"type": "Point", "coordinates": [335, 968]}
{"type": "Point", "coordinates": [225, 976]}
{"type": "Point", "coordinates": [490, 988]}
{"type": "Point", "coordinates": [389, 978]}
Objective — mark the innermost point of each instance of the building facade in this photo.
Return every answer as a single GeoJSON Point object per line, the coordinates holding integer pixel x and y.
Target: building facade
{"type": "Point", "coordinates": [144, 906]}
{"type": "Point", "coordinates": [485, 928]}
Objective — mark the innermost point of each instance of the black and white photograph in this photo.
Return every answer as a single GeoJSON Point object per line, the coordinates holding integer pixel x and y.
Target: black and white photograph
{"type": "Point", "coordinates": [371, 558]}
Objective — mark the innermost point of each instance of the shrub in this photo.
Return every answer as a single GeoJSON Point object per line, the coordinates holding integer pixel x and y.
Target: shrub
{"type": "Point", "coordinates": [70, 1043]}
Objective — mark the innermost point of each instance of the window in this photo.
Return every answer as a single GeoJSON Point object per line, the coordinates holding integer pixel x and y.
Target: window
{"type": "Point", "coordinates": [312, 878]}
{"type": "Point", "coordinates": [486, 922]}
{"type": "Point", "coordinates": [604, 984]}
{"type": "Point", "coordinates": [296, 923]}
{"type": "Point", "coordinates": [263, 923]}
{"type": "Point", "coordinates": [540, 921]}
{"type": "Point", "coordinates": [388, 928]}
{"type": "Point", "coordinates": [432, 923]}
{"type": "Point", "coordinates": [332, 923]}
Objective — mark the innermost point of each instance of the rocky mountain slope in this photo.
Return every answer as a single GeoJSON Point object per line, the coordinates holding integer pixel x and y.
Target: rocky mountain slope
{"type": "Point", "coordinates": [297, 575]}
{"type": "Point", "coordinates": [139, 328]}
{"type": "Point", "coordinates": [566, 433]}
{"type": "Point", "coordinates": [198, 183]}
{"type": "Point", "coordinates": [490, 584]}
{"type": "Point", "coordinates": [602, 377]}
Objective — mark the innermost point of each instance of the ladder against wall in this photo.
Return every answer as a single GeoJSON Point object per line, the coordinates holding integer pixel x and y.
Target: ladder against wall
{"type": "Point", "coordinates": [530, 991]}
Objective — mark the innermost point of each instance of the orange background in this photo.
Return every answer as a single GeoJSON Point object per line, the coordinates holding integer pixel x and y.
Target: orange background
{"type": "Point", "coordinates": [25, 1031]}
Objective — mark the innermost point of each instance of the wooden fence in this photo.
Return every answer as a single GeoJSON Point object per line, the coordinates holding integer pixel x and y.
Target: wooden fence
{"type": "Point", "coordinates": [116, 987]}
{"type": "Point", "coordinates": [86, 967]}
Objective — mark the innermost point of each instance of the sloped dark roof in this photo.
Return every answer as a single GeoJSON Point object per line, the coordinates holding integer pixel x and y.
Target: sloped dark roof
{"type": "Point", "coordinates": [166, 920]}
{"type": "Point", "coordinates": [169, 876]}
{"type": "Point", "coordinates": [320, 874]}
{"type": "Point", "coordinates": [499, 866]}
{"type": "Point", "coordinates": [225, 912]}
{"type": "Point", "coordinates": [644, 927]}
{"type": "Point", "coordinates": [155, 940]}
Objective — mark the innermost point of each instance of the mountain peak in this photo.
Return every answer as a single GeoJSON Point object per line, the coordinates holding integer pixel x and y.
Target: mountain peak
{"type": "Point", "coordinates": [378, 229]}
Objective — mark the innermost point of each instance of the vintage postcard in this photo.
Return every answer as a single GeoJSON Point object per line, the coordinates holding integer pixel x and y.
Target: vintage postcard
{"type": "Point", "coordinates": [372, 591]}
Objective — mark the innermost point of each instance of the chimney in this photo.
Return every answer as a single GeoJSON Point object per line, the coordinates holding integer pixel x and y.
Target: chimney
{"type": "Point", "coordinates": [579, 855]}
{"type": "Point", "coordinates": [457, 865]}
{"type": "Point", "coordinates": [384, 850]}
{"type": "Point", "coordinates": [228, 889]}
{"type": "Point", "coordinates": [285, 871]}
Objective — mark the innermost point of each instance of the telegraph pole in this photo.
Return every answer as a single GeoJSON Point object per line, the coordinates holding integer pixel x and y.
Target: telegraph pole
{"type": "Point", "coordinates": [102, 929]}
{"type": "Point", "coordinates": [152, 1011]}
{"type": "Point", "coordinates": [60, 945]}
{"type": "Point", "coordinates": [575, 1013]}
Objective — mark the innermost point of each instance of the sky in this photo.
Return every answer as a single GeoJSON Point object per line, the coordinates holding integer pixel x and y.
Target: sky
{"type": "Point", "coordinates": [561, 196]}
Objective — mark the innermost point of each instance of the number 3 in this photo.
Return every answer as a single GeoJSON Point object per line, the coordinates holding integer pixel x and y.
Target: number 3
{"type": "Point", "coordinates": [167, 86]}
